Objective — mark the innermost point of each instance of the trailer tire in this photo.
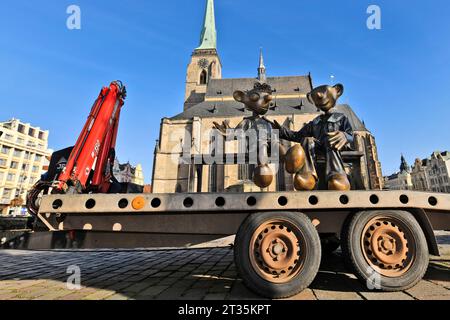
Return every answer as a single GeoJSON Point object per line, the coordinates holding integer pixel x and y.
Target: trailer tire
{"type": "Point", "coordinates": [277, 254]}
{"type": "Point", "coordinates": [386, 248]}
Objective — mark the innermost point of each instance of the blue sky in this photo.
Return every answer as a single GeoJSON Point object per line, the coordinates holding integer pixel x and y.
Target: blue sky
{"type": "Point", "coordinates": [397, 79]}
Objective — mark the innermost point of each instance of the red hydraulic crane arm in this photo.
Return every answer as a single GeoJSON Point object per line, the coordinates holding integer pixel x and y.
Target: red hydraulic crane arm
{"type": "Point", "coordinates": [93, 150]}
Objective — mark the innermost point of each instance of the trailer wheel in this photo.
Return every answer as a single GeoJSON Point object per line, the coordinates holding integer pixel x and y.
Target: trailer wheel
{"type": "Point", "coordinates": [387, 249]}
{"type": "Point", "coordinates": [277, 254]}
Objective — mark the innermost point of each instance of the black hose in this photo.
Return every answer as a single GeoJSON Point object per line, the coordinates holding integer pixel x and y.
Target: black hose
{"type": "Point", "coordinates": [33, 196]}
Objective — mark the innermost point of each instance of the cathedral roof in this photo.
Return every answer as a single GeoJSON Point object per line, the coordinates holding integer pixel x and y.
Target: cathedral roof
{"type": "Point", "coordinates": [293, 85]}
{"type": "Point", "coordinates": [289, 99]}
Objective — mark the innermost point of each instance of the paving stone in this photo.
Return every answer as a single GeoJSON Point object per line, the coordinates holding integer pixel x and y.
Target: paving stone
{"type": "Point", "coordinates": [386, 296]}
{"type": "Point", "coordinates": [152, 291]}
{"type": "Point", "coordinates": [53, 295]}
{"type": "Point", "coordinates": [174, 274]}
{"type": "Point", "coordinates": [336, 295]}
{"type": "Point", "coordinates": [240, 292]}
{"type": "Point", "coordinates": [194, 294]}
{"type": "Point", "coordinates": [425, 289]}
{"type": "Point", "coordinates": [171, 293]}
{"type": "Point", "coordinates": [216, 296]}
{"type": "Point", "coordinates": [306, 294]}
{"type": "Point", "coordinates": [117, 296]}
{"type": "Point", "coordinates": [99, 295]}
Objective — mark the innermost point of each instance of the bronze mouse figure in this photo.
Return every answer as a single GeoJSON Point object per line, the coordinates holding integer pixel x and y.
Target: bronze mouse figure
{"type": "Point", "coordinates": [258, 101]}
{"type": "Point", "coordinates": [328, 134]}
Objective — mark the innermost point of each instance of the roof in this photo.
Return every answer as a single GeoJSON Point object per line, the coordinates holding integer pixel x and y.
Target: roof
{"type": "Point", "coordinates": [289, 99]}
{"type": "Point", "coordinates": [223, 88]}
{"type": "Point", "coordinates": [444, 155]}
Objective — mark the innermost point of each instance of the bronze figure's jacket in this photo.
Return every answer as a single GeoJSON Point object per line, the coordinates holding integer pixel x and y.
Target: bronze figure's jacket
{"type": "Point", "coordinates": [314, 139]}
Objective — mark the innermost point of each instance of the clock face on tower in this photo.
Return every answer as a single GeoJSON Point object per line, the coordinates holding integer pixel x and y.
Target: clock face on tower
{"type": "Point", "coordinates": [203, 63]}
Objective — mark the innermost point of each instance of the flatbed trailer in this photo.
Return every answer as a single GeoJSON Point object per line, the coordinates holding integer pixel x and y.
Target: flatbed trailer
{"type": "Point", "coordinates": [386, 236]}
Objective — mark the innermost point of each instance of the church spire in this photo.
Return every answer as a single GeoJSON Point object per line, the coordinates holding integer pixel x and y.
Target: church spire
{"type": "Point", "coordinates": [208, 38]}
{"type": "Point", "coordinates": [404, 167]}
{"type": "Point", "coordinates": [261, 68]}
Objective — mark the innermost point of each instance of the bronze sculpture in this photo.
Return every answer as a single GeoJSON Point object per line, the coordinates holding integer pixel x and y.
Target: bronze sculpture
{"type": "Point", "coordinates": [327, 134]}
{"type": "Point", "coordinates": [258, 101]}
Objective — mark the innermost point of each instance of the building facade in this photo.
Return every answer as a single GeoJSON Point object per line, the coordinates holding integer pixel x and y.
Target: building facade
{"type": "Point", "coordinates": [419, 175]}
{"type": "Point", "coordinates": [209, 99]}
{"type": "Point", "coordinates": [126, 173]}
{"type": "Point", "coordinates": [401, 180]}
{"type": "Point", "coordinates": [432, 174]}
{"type": "Point", "coordinates": [23, 155]}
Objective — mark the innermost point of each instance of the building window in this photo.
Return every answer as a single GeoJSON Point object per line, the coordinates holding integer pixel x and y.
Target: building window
{"type": "Point", "coordinates": [17, 153]}
{"type": "Point", "coordinates": [2, 162]}
{"type": "Point", "coordinates": [31, 132]}
{"type": "Point", "coordinates": [5, 150]}
{"type": "Point", "coordinates": [21, 128]}
{"type": "Point", "coordinates": [203, 77]}
{"type": "Point", "coordinates": [41, 135]}
{"type": "Point", "coordinates": [35, 169]}
{"type": "Point", "coordinates": [14, 165]}
{"type": "Point", "coordinates": [38, 158]}
{"type": "Point", "coordinates": [6, 194]}
{"type": "Point", "coordinates": [10, 177]}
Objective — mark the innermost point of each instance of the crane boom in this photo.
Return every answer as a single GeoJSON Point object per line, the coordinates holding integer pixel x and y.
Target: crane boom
{"type": "Point", "coordinates": [87, 166]}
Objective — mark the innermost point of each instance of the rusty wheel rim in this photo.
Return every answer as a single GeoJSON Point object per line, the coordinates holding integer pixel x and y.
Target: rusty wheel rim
{"type": "Point", "coordinates": [388, 246]}
{"type": "Point", "coordinates": [277, 251]}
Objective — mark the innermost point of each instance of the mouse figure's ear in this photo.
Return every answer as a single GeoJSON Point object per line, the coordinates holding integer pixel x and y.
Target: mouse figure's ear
{"type": "Point", "coordinates": [239, 96]}
{"type": "Point", "coordinates": [309, 97]}
{"type": "Point", "coordinates": [339, 89]}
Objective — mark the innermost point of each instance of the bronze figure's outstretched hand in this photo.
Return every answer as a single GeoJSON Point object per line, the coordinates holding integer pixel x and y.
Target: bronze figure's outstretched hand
{"type": "Point", "coordinates": [275, 125]}
{"type": "Point", "coordinates": [222, 127]}
{"type": "Point", "coordinates": [337, 140]}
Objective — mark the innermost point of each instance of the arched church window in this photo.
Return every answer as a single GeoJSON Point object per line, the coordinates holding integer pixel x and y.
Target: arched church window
{"type": "Point", "coordinates": [203, 77]}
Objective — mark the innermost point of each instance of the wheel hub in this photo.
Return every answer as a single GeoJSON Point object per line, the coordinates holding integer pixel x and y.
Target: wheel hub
{"type": "Point", "coordinates": [386, 246]}
{"type": "Point", "coordinates": [276, 252]}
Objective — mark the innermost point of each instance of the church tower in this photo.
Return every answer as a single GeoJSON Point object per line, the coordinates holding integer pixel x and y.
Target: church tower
{"type": "Point", "coordinates": [205, 62]}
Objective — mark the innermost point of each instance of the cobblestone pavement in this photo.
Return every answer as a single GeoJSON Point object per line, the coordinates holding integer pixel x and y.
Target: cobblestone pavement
{"type": "Point", "coordinates": [180, 274]}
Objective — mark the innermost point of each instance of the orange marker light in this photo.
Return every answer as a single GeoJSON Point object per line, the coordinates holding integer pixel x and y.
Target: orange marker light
{"type": "Point", "coordinates": [138, 203]}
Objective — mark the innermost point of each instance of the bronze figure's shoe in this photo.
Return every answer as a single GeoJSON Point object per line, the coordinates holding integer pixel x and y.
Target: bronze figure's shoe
{"type": "Point", "coordinates": [295, 159]}
{"type": "Point", "coordinates": [304, 182]}
{"type": "Point", "coordinates": [339, 182]}
{"type": "Point", "coordinates": [263, 176]}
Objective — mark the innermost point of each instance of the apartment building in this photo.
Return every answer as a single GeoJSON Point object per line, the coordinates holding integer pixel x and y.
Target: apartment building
{"type": "Point", "coordinates": [23, 155]}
